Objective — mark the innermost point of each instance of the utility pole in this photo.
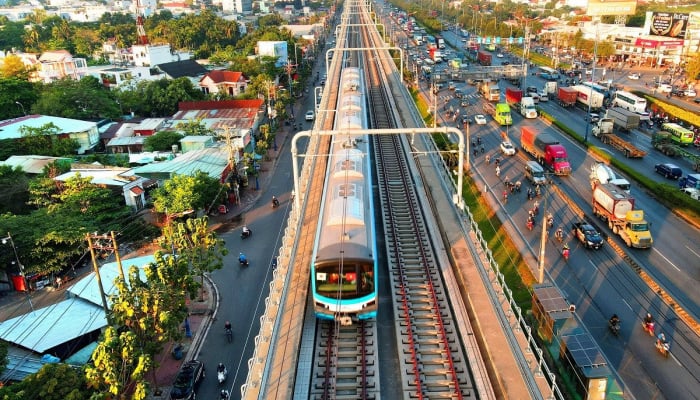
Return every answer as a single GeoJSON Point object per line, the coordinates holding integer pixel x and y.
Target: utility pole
{"type": "Point", "coordinates": [92, 245]}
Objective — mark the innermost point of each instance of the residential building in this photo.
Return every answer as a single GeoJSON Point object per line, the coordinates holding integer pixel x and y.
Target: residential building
{"type": "Point", "coordinates": [229, 83]}
{"type": "Point", "coordinates": [53, 65]}
{"type": "Point", "coordinates": [84, 132]}
{"type": "Point", "coordinates": [132, 188]}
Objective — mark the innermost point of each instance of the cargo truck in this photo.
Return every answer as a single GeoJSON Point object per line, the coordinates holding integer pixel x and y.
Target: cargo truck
{"type": "Point", "coordinates": [546, 149]}
{"type": "Point", "coordinates": [500, 112]}
{"type": "Point", "coordinates": [691, 181]}
{"type": "Point", "coordinates": [550, 87]}
{"type": "Point", "coordinates": [604, 131]}
{"type": "Point", "coordinates": [624, 119]}
{"type": "Point", "coordinates": [513, 96]}
{"type": "Point", "coordinates": [567, 96]}
{"type": "Point", "coordinates": [601, 173]}
{"type": "Point", "coordinates": [440, 42]}
{"type": "Point", "coordinates": [616, 206]}
{"type": "Point", "coordinates": [490, 90]}
{"type": "Point", "coordinates": [483, 57]}
{"type": "Point", "coordinates": [588, 97]}
{"type": "Point", "coordinates": [527, 107]}
{"type": "Point", "coordinates": [662, 141]}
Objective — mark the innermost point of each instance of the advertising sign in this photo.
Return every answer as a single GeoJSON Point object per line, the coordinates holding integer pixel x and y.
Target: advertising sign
{"type": "Point", "coordinates": [668, 24]}
{"type": "Point", "coordinates": [611, 7]}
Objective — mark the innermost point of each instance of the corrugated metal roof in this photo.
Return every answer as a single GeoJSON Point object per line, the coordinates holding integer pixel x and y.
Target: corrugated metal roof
{"type": "Point", "coordinates": [10, 129]}
{"type": "Point", "coordinates": [211, 160]}
{"type": "Point", "coordinates": [54, 325]}
{"type": "Point", "coordinates": [110, 177]}
{"type": "Point", "coordinates": [126, 140]}
{"type": "Point", "coordinates": [32, 164]}
{"type": "Point", "coordinates": [20, 364]}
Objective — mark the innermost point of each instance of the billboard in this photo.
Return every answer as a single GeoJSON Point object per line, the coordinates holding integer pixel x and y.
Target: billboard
{"type": "Point", "coordinates": [611, 7]}
{"type": "Point", "coordinates": [671, 25]}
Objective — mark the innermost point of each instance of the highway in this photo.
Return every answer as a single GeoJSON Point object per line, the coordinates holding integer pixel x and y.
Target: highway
{"type": "Point", "coordinates": [599, 282]}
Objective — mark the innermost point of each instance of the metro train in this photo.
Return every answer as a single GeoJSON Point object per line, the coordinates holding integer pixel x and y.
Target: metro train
{"type": "Point", "coordinates": [344, 266]}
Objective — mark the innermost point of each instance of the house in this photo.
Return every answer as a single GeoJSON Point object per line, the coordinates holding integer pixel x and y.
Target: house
{"type": "Point", "coordinates": [184, 68]}
{"type": "Point", "coordinates": [33, 164]}
{"type": "Point", "coordinates": [225, 82]}
{"type": "Point", "coordinates": [131, 187]}
{"type": "Point", "coordinates": [58, 64]}
{"type": "Point", "coordinates": [129, 136]}
{"type": "Point", "coordinates": [213, 161]}
{"type": "Point", "coordinates": [127, 76]}
{"type": "Point", "coordinates": [84, 132]}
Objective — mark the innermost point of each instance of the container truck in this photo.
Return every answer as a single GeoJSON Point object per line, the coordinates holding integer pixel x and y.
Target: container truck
{"type": "Point", "coordinates": [690, 181]}
{"type": "Point", "coordinates": [567, 96]}
{"type": "Point", "coordinates": [616, 206]}
{"type": "Point", "coordinates": [527, 107]}
{"type": "Point", "coordinates": [550, 87]}
{"type": "Point", "coordinates": [602, 173]}
{"type": "Point", "coordinates": [588, 97]}
{"type": "Point", "coordinates": [546, 149]}
{"type": "Point", "coordinates": [440, 42]}
{"type": "Point", "coordinates": [624, 119]}
{"type": "Point", "coordinates": [500, 112]}
{"type": "Point", "coordinates": [483, 57]}
{"type": "Point", "coordinates": [513, 96]}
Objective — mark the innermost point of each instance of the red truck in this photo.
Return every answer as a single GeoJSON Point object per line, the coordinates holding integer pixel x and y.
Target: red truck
{"type": "Point", "coordinates": [513, 96]}
{"type": "Point", "coordinates": [546, 149]}
{"type": "Point", "coordinates": [483, 57]}
{"type": "Point", "coordinates": [567, 96]}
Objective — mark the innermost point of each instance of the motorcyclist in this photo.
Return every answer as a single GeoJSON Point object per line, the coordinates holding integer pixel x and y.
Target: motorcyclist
{"type": "Point", "coordinates": [565, 252]}
{"type": "Point", "coordinates": [227, 326]}
{"type": "Point", "coordinates": [661, 341]}
{"type": "Point", "coordinates": [550, 220]}
{"type": "Point", "coordinates": [220, 368]}
{"type": "Point", "coordinates": [242, 258]}
{"type": "Point", "coordinates": [245, 231]}
{"type": "Point", "coordinates": [224, 395]}
{"type": "Point", "coordinates": [275, 202]}
{"type": "Point", "coordinates": [649, 322]}
{"type": "Point", "coordinates": [614, 320]}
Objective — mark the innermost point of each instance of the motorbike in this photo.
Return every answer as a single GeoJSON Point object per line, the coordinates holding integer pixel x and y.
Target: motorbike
{"type": "Point", "coordinates": [224, 395]}
{"type": "Point", "coordinates": [565, 253]}
{"type": "Point", "coordinates": [245, 233]}
{"type": "Point", "coordinates": [550, 222]}
{"type": "Point", "coordinates": [221, 375]}
{"type": "Point", "coordinates": [229, 335]}
{"type": "Point", "coordinates": [275, 203]}
{"type": "Point", "coordinates": [614, 327]}
{"type": "Point", "coordinates": [648, 328]}
{"type": "Point", "coordinates": [243, 262]}
{"type": "Point", "coordinates": [530, 224]}
{"type": "Point", "coordinates": [663, 347]}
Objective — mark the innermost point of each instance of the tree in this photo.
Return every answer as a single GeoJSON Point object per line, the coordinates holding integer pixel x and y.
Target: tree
{"type": "Point", "coordinates": [83, 99]}
{"type": "Point", "coordinates": [183, 193]}
{"type": "Point", "coordinates": [13, 66]}
{"type": "Point", "coordinates": [51, 382]}
{"type": "Point", "coordinates": [145, 315]}
{"type": "Point", "coordinates": [194, 127]}
{"type": "Point", "coordinates": [15, 90]}
{"type": "Point", "coordinates": [692, 67]}
{"type": "Point", "coordinates": [162, 141]}
{"type": "Point", "coordinates": [45, 140]}
{"type": "Point", "coordinates": [13, 189]}
{"type": "Point", "coordinates": [193, 241]}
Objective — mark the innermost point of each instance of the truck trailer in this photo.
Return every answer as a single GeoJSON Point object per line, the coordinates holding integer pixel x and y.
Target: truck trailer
{"type": "Point", "coordinates": [602, 173]}
{"type": "Point", "coordinates": [588, 97]}
{"type": "Point", "coordinates": [567, 96]}
{"type": "Point", "coordinates": [546, 149]}
{"type": "Point", "coordinates": [483, 57]}
{"type": "Point", "coordinates": [624, 119]}
{"type": "Point", "coordinates": [617, 208]}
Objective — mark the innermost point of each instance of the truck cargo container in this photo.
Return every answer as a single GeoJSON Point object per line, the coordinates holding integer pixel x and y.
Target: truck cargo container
{"type": "Point", "coordinates": [623, 119]}
{"type": "Point", "coordinates": [550, 87]}
{"type": "Point", "coordinates": [546, 149]}
{"type": "Point", "coordinates": [616, 206]}
{"type": "Point", "coordinates": [513, 96]}
{"type": "Point", "coordinates": [483, 57]}
{"type": "Point", "coordinates": [588, 97]}
{"type": "Point", "coordinates": [567, 96]}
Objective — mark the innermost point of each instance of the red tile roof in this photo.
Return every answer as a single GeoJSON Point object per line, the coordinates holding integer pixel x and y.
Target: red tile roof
{"type": "Point", "coordinates": [220, 76]}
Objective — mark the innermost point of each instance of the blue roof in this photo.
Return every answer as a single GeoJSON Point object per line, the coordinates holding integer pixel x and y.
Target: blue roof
{"type": "Point", "coordinates": [10, 129]}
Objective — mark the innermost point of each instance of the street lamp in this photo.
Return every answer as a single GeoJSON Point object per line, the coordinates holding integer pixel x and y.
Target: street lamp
{"type": "Point", "coordinates": [6, 240]}
{"type": "Point", "coordinates": [21, 105]}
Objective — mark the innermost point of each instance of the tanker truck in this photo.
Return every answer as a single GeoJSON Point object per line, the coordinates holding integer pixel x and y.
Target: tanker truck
{"type": "Point", "coordinates": [616, 206]}
{"type": "Point", "coordinates": [602, 173]}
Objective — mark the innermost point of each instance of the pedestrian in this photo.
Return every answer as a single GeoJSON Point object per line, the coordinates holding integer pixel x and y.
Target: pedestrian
{"type": "Point", "coordinates": [498, 170]}
{"type": "Point", "coordinates": [478, 140]}
{"type": "Point", "coordinates": [505, 196]}
{"type": "Point", "coordinates": [476, 152]}
{"type": "Point", "coordinates": [482, 149]}
{"type": "Point", "coordinates": [488, 158]}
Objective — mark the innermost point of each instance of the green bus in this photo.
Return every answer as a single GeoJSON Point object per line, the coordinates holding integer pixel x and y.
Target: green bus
{"type": "Point", "coordinates": [679, 134]}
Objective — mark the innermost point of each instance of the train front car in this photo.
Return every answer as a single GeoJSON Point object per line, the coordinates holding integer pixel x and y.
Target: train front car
{"type": "Point", "coordinates": [344, 268]}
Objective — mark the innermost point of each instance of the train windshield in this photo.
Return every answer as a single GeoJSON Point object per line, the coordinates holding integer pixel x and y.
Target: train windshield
{"type": "Point", "coordinates": [354, 280]}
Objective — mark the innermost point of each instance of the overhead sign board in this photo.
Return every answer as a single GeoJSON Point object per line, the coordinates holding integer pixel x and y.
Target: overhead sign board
{"type": "Point", "coordinates": [611, 7]}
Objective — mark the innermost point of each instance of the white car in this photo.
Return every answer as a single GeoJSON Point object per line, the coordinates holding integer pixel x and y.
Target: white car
{"type": "Point", "coordinates": [692, 192]}
{"type": "Point", "coordinates": [309, 115]}
{"type": "Point", "coordinates": [480, 119]}
{"type": "Point", "coordinates": [499, 55]}
{"type": "Point", "coordinates": [634, 76]}
{"type": "Point", "coordinates": [507, 148]}
{"type": "Point", "coordinates": [690, 93]}
{"type": "Point", "coordinates": [664, 88]}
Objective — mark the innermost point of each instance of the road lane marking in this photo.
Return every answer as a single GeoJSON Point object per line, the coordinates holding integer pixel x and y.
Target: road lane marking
{"type": "Point", "coordinates": [692, 251]}
{"type": "Point", "coordinates": [667, 260]}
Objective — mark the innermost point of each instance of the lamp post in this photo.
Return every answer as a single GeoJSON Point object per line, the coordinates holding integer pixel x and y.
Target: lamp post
{"type": "Point", "coordinates": [595, 58]}
{"type": "Point", "coordinates": [22, 106]}
{"type": "Point", "coordinates": [6, 240]}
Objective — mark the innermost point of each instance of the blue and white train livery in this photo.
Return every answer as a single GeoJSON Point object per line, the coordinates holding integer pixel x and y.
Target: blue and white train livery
{"type": "Point", "coordinates": [344, 266]}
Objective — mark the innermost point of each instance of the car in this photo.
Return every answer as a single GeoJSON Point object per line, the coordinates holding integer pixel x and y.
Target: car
{"type": "Point", "coordinates": [507, 148]}
{"type": "Point", "coordinates": [692, 192]}
{"type": "Point", "coordinates": [635, 76]}
{"type": "Point", "coordinates": [505, 63]}
{"type": "Point", "coordinates": [499, 55]}
{"type": "Point", "coordinates": [458, 93]}
{"type": "Point", "coordinates": [531, 89]}
{"type": "Point", "coordinates": [668, 170]}
{"type": "Point", "coordinates": [535, 97]}
{"type": "Point", "coordinates": [187, 381]}
{"type": "Point", "coordinates": [690, 93]}
{"type": "Point", "coordinates": [592, 118]}
{"type": "Point", "coordinates": [464, 102]}
{"type": "Point", "coordinates": [480, 119]}
{"type": "Point", "coordinates": [664, 88]}
{"type": "Point", "coordinates": [677, 92]}
{"type": "Point", "coordinates": [696, 100]}
{"type": "Point", "coordinates": [587, 235]}
{"type": "Point", "coordinates": [309, 115]}
{"type": "Point", "coordinates": [451, 85]}
{"type": "Point", "coordinates": [544, 96]}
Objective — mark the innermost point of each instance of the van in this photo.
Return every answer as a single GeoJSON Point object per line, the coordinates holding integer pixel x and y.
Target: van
{"type": "Point", "coordinates": [535, 173]}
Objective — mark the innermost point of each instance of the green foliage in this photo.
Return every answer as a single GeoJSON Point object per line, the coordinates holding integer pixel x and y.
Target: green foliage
{"type": "Point", "coordinates": [194, 127]}
{"type": "Point", "coordinates": [51, 382]}
{"type": "Point", "coordinates": [162, 141]}
{"type": "Point", "coordinates": [45, 140]}
{"type": "Point", "coordinates": [14, 184]}
{"type": "Point", "coordinates": [184, 193]}
{"type": "Point", "coordinates": [13, 91]}
{"type": "Point", "coordinates": [83, 99]}
{"type": "Point", "coordinates": [160, 98]}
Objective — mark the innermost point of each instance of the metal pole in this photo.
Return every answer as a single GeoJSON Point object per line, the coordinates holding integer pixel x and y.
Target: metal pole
{"type": "Point", "coordinates": [543, 240]}
{"type": "Point", "coordinates": [97, 276]}
{"type": "Point", "coordinates": [595, 58]}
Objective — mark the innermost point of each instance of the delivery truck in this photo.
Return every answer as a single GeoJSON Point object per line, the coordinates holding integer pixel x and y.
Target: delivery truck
{"type": "Point", "coordinates": [546, 149]}
{"type": "Point", "coordinates": [500, 112]}
{"type": "Point", "coordinates": [483, 57]}
{"type": "Point", "coordinates": [616, 206]}
{"type": "Point", "coordinates": [624, 119]}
